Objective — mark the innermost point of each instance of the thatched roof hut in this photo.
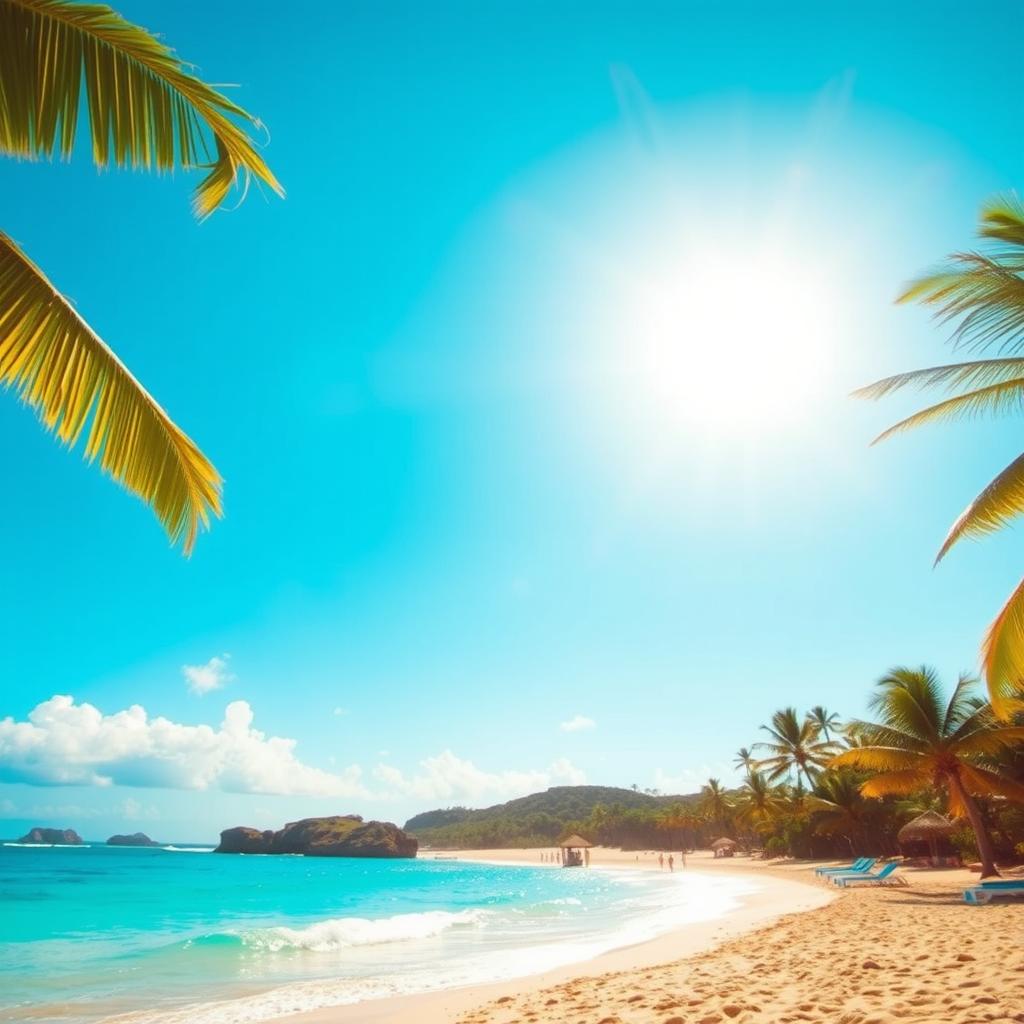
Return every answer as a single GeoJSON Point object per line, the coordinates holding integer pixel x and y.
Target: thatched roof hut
{"type": "Point", "coordinates": [575, 842]}
{"type": "Point", "coordinates": [724, 846]}
{"type": "Point", "coordinates": [928, 827]}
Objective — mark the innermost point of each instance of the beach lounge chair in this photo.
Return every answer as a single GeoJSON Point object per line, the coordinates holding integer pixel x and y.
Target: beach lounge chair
{"type": "Point", "coordinates": [861, 864]}
{"type": "Point", "coordinates": [981, 894]}
{"type": "Point", "coordinates": [879, 878]}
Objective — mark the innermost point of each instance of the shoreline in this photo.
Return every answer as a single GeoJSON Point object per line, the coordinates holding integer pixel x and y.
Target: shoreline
{"type": "Point", "coordinates": [779, 893]}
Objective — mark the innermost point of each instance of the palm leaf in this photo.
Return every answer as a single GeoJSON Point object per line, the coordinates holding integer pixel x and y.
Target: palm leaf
{"type": "Point", "coordinates": [1006, 397]}
{"type": "Point", "coordinates": [1001, 501]}
{"type": "Point", "coordinates": [896, 783]}
{"type": "Point", "coordinates": [978, 373]}
{"type": "Point", "coordinates": [879, 759]}
{"type": "Point", "coordinates": [1002, 654]}
{"type": "Point", "coordinates": [963, 712]}
{"type": "Point", "coordinates": [984, 782]}
{"type": "Point", "coordinates": [984, 292]}
{"type": "Point", "coordinates": [59, 366]}
{"type": "Point", "coordinates": [1002, 217]}
{"type": "Point", "coordinates": [910, 701]}
{"type": "Point", "coordinates": [145, 110]}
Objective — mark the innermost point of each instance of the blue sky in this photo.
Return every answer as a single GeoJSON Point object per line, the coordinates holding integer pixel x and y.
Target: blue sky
{"type": "Point", "coordinates": [468, 498]}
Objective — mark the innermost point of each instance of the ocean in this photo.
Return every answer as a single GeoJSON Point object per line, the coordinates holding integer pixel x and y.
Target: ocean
{"type": "Point", "coordinates": [174, 934]}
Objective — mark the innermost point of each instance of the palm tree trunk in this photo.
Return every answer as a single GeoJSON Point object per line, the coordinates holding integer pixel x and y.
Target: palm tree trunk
{"type": "Point", "coordinates": [985, 851]}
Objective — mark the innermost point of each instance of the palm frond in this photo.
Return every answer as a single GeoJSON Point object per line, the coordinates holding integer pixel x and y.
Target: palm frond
{"type": "Point", "coordinates": [962, 708]}
{"type": "Point", "coordinates": [145, 109]}
{"type": "Point", "coordinates": [1002, 217]}
{"type": "Point", "coordinates": [880, 759]}
{"type": "Point", "coordinates": [985, 782]}
{"type": "Point", "coordinates": [910, 701]}
{"type": "Point", "coordinates": [895, 783]}
{"type": "Point", "coordinates": [1002, 654]}
{"type": "Point", "coordinates": [61, 368]}
{"type": "Point", "coordinates": [1007, 397]}
{"type": "Point", "coordinates": [979, 373]}
{"type": "Point", "coordinates": [1001, 501]}
{"type": "Point", "coordinates": [984, 292]}
{"type": "Point", "coordinates": [869, 734]}
{"type": "Point", "coordinates": [991, 741]}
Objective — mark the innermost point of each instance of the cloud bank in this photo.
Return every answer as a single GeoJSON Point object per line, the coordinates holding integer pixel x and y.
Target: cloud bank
{"type": "Point", "coordinates": [67, 744]}
{"type": "Point", "coordinates": [447, 778]}
{"type": "Point", "coordinates": [64, 743]}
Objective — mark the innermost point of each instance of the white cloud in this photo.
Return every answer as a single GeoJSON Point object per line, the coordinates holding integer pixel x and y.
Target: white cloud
{"type": "Point", "coordinates": [64, 743]}
{"type": "Point", "coordinates": [565, 772]}
{"type": "Point", "coordinates": [341, 711]}
{"type": "Point", "coordinates": [578, 723]}
{"type": "Point", "coordinates": [211, 676]}
{"type": "Point", "coordinates": [447, 778]}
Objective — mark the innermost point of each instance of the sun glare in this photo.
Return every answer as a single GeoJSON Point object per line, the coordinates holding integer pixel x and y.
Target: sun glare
{"type": "Point", "coordinates": [725, 346]}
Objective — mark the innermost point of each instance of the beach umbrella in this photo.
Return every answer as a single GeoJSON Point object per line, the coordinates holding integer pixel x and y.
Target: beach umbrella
{"type": "Point", "coordinates": [929, 827]}
{"type": "Point", "coordinates": [724, 843]}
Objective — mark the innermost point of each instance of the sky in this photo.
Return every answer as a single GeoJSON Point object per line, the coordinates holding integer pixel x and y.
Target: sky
{"type": "Point", "coordinates": [532, 403]}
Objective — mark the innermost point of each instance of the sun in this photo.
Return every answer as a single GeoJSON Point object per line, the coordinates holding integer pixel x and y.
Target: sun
{"type": "Point", "coordinates": [724, 345]}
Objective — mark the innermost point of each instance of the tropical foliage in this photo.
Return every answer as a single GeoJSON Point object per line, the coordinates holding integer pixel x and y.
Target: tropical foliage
{"type": "Point", "coordinates": [847, 796]}
{"type": "Point", "coordinates": [924, 740]}
{"type": "Point", "coordinates": [981, 294]}
{"type": "Point", "coordinates": [59, 61]}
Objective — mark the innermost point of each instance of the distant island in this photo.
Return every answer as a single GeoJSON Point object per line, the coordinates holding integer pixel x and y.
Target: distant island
{"type": "Point", "coordinates": [135, 839]}
{"type": "Point", "coordinates": [340, 836]}
{"type": "Point", "coordinates": [52, 837]}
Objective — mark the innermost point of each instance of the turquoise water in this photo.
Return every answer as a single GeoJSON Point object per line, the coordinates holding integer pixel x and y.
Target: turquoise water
{"type": "Point", "coordinates": [171, 935]}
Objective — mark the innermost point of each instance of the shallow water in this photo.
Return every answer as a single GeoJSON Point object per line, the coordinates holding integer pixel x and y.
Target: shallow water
{"type": "Point", "coordinates": [170, 933]}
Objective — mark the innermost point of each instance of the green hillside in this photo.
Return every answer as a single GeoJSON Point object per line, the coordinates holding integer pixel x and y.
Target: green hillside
{"type": "Point", "coordinates": [607, 814]}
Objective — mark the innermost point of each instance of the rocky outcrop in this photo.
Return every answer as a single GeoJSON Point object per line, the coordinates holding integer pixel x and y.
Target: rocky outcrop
{"type": "Point", "coordinates": [340, 836]}
{"type": "Point", "coordinates": [135, 839]}
{"type": "Point", "coordinates": [244, 840]}
{"type": "Point", "coordinates": [53, 836]}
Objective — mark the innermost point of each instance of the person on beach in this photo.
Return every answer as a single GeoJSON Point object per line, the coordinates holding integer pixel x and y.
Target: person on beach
{"type": "Point", "coordinates": [661, 861]}
{"type": "Point", "coordinates": [671, 862]}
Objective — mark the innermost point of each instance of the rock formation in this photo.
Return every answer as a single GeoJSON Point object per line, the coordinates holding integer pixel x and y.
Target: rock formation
{"type": "Point", "coordinates": [135, 839]}
{"type": "Point", "coordinates": [339, 836]}
{"type": "Point", "coordinates": [52, 836]}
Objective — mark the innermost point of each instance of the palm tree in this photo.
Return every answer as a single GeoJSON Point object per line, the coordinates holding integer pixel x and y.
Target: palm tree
{"type": "Point", "coordinates": [715, 803]}
{"type": "Point", "coordinates": [144, 111]}
{"type": "Point", "coordinates": [840, 808]}
{"type": "Point", "coordinates": [674, 819]}
{"type": "Point", "coordinates": [795, 745]}
{"type": "Point", "coordinates": [759, 803]}
{"type": "Point", "coordinates": [982, 293]}
{"type": "Point", "coordinates": [745, 760]}
{"type": "Point", "coordinates": [824, 720]}
{"type": "Point", "coordinates": [923, 740]}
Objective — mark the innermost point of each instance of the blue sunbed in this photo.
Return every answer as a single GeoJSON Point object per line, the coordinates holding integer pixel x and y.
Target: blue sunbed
{"type": "Point", "coordinates": [861, 864]}
{"type": "Point", "coordinates": [879, 878]}
{"type": "Point", "coordinates": [980, 894]}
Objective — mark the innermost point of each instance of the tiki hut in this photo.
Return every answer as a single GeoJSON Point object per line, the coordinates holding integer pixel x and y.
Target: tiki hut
{"type": "Point", "coordinates": [931, 829]}
{"type": "Point", "coordinates": [724, 847]}
{"type": "Point", "coordinates": [575, 851]}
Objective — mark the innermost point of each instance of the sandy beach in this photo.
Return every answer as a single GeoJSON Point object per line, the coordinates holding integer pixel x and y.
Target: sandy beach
{"type": "Point", "coordinates": [798, 950]}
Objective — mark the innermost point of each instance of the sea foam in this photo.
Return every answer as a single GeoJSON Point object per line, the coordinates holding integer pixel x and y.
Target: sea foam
{"type": "Point", "coordinates": [346, 932]}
